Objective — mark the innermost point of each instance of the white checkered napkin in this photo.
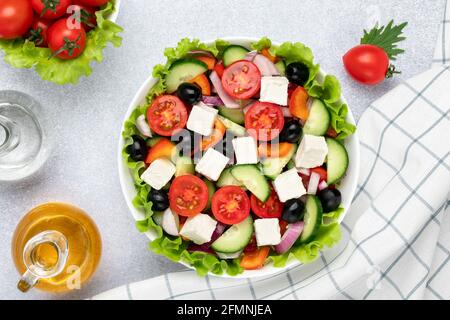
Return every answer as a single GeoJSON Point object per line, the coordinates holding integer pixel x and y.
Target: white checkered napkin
{"type": "Point", "coordinates": [396, 237]}
{"type": "Point", "coordinates": [442, 51]}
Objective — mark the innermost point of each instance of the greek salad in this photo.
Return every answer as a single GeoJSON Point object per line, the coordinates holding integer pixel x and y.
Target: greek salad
{"type": "Point", "coordinates": [238, 155]}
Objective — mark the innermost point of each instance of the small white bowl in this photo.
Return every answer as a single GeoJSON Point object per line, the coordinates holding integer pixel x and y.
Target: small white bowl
{"type": "Point", "coordinates": [347, 186]}
{"type": "Point", "coordinates": [115, 14]}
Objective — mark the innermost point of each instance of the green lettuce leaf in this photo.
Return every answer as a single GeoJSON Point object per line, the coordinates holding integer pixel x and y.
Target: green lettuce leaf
{"type": "Point", "coordinates": [329, 91]}
{"type": "Point", "coordinates": [264, 43]}
{"type": "Point", "coordinates": [21, 53]}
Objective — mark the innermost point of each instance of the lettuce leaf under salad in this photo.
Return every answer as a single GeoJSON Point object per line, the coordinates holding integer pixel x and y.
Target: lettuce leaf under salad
{"type": "Point", "coordinates": [21, 53]}
{"type": "Point", "coordinates": [174, 247]}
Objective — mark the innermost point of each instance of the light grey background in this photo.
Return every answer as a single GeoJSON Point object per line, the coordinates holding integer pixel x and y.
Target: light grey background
{"type": "Point", "coordinates": [86, 119]}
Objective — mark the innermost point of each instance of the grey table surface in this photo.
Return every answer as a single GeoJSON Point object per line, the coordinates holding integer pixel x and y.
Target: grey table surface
{"type": "Point", "coordinates": [86, 119]}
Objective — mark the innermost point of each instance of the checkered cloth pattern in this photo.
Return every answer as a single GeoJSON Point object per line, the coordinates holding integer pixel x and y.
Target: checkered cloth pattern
{"type": "Point", "coordinates": [396, 236]}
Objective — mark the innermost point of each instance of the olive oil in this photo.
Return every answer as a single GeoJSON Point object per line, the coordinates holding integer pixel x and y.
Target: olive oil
{"type": "Point", "coordinates": [80, 235]}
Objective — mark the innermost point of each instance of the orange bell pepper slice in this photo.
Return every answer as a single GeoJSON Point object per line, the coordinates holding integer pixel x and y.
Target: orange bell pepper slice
{"type": "Point", "coordinates": [255, 259]}
{"type": "Point", "coordinates": [164, 148]}
{"type": "Point", "coordinates": [203, 82]}
{"type": "Point", "coordinates": [267, 150]}
{"type": "Point", "coordinates": [208, 60]}
{"type": "Point", "coordinates": [265, 52]}
{"type": "Point", "coordinates": [215, 137]}
{"type": "Point", "coordinates": [298, 103]}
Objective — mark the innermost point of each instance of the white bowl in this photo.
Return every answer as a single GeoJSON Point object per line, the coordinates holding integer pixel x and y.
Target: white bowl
{"type": "Point", "coordinates": [114, 15]}
{"type": "Point", "coordinates": [347, 187]}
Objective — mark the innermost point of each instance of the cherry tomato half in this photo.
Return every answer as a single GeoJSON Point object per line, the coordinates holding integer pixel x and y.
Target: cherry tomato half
{"type": "Point", "coordinates": [50, 9]}
{"type": "Point", "coordinates": [242, 79]}
{"type": "Point", "coordinates": [272, 208]}
{"type": "Point", "coordinates": [367, 64]}
{"type": "Point", "coordinates": [255, 259]}
{"type": "Point", "coordinates": [167, 115]}
{"type": "Point", "coordinates": [230, 205]}
{"type": "Point", "coordinates": [188, 195]}
{"type": "Point", "coordinates": [65, 41]}
{"type": "Point", "coordinates": [16, 17]}
{"type": "Point", "coordinates": [264, 121]}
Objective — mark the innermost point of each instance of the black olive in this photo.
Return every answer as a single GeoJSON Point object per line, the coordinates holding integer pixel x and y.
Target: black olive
{"type": "Point", "coordinates": [189, 93]}
{"type": "Point", "coordinates": [159, 199]}
{"type": "Point", "coordinates": [293, 211]}
{"type": "Point", "coordinates": [291, 132]}
{"type": "Point", "coordinates": [138, 149]}
{"type": "Point", "coordinates": [297, 73]}
{"type": "Point", "coordinates": [330, 199]}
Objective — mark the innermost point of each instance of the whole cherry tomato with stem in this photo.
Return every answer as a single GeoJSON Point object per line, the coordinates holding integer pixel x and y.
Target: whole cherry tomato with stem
{"type": "Point", "coordinates": [84, 14]}
{"type": "Point", "coordinates": [65, 41]}
{"type": "Point", "coordinates": [16, 17]}
{"type": "Point", "coordinates": [51, 9]}
{"type": "Point", "coordinates": [369, 63]}
{"type": "Point", "coordinates": [38, 32]}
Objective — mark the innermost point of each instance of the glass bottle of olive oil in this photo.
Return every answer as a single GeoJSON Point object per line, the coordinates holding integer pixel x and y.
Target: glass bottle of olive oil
{"type": "Point", "coordinates": [56, 247]}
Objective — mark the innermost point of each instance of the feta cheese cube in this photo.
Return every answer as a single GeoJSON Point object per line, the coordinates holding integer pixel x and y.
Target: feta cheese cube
{"type": "Point", "coordinates": [275, 90]}
{"type": "Point", "coordinates": [212, 164]}
{"type": "Point", "coordinates": [201, 119]}
{"type": "Point", "coordinates": [199, 229]}
{"type": "Point", "coordinates": [288, 185]}
{"type": "Point", "coordinates": [267, 232]}
{"type": "Point", "coordinates": [246, 150]}
{"type": "Point", "coordinates": [312, 152]}
{"type": "Point", "coordinates": [158, 173]}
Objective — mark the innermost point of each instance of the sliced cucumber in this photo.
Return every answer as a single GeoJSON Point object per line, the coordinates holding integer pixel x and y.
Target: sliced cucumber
{"type": "Point", "coordinates": [233, 53]}
{"type": "Point", "coordinates": [211, 190]}
{"type": "Point", "coordinates": [253, 180]}
{"type": "Point", "coordinates": [184, 165]}
{"type": "Point", "coordinates": [235, 238]}
{"type": "Point", "coordinates": [337, 161]}
{"type": "Point", "coordinates": [281, 66]}
{"type": "Point", "coordinates": [152, 141]}
{"type": "Point", "coordinates": [318, 119]}
{"type": "Point", "coordinates": [290, 164]}
{"type": "Point", "coordinates": [183, 70]}
{"type": "Point", "coordinates": [272, 167]}
{"type": "Point", "coordinates": [235, 115]}
{"type": "Point", "coordinates": [236, 129]}
{"type": "Point", "coordinates": [312, 219]}
{"type": "Point", "coordinates": [227, 179]}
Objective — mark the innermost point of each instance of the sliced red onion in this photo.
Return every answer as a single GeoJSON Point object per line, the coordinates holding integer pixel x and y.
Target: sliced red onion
{"type": "Point", "coordinates": [265, 66]}
{"type": "Point", "coordinates": [143, 127]}
{"type": "Point", "coordinates": [200, 248]}
{"type": "Point", "coordinates": [201, 52]}
{"type": "Point", "coordinates": [286, 112]}
{"type": "Point", "coordinates": [212, 100]}
{"type": "Point", "coordinates": [250, 56]}
{"type": "Point", "coordinates": [228, 101]}
{"type": "Point", "coordinates": [304, 171]}
{"type": "Point", "coordinates": [220, 228]}
{"type": "Point", "coordinates": [289, 237]}
{"type": "Point", "coordinates": [323, 185]}
{"type": "Point", "coordinates": [171, 222]}
{"type": "Point", "coordinates": [313, 183]}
